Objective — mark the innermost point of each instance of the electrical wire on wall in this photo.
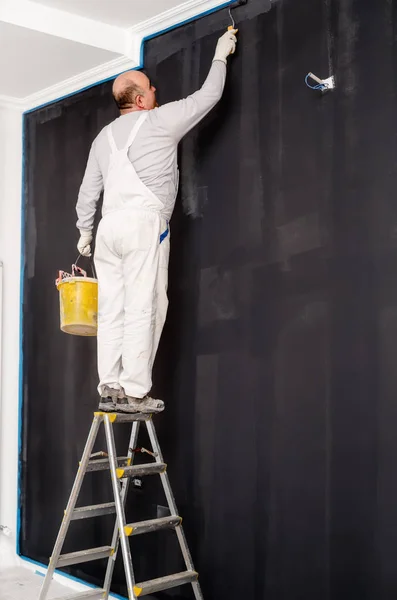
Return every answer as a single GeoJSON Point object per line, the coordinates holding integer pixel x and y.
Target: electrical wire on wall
{"type": "Point", "coordinates": [321, 84]}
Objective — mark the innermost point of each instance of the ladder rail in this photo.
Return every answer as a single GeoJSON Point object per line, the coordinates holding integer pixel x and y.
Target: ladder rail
{"type": "Point", "coordinates": [173, 508]}
{"type": "Point", "coordinates": [124, 542]}
{"type": "Point", "coordinates": [124, 491]}
{"type": "Point", "coordinates": [70, 506]}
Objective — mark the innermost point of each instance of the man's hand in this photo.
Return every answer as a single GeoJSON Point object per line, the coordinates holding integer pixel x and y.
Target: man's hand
{"type": "Point", "coordinates": [84, 245]}
{"type": "Point", "coordinates": [226, 45]}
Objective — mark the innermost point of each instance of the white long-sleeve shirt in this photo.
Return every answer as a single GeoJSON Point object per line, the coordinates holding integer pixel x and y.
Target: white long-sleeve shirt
{"type": "Point", "coordinates": [154, 151]}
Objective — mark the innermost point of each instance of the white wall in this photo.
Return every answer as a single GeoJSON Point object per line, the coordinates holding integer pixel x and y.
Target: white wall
{"type": "Point", "coordinates": [10, 242]}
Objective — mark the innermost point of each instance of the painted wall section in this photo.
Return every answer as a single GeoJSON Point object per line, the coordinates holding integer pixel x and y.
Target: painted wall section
{"type": "Point", "coordinates": [10, 256]}
{"type": "Point", "coordinates": [11, 160]}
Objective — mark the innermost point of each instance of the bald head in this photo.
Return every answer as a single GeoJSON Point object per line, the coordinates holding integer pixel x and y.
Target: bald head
{"type": "Point", "coordinates": [133, 91]}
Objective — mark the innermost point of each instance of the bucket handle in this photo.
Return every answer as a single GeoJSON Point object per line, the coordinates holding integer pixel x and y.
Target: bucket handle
{"type": "Point", "coordinates": [81, 271]}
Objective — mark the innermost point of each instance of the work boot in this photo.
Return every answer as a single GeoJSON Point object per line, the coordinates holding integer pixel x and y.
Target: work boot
{"type": "Point", "coordinates": [108, 399]}
{"type": "Point", "coordinates": [130, 404]}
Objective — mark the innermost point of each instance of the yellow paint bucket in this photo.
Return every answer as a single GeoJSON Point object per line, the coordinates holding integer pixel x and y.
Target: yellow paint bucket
{"type": "Point", "coordinates": [78, 303]}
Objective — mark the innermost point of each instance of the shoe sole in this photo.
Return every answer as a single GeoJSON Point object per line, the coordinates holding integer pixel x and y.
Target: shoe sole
{"type": "Point", "coordinates": [134, 411]}
{"type": "Point", "coordinates": [107, 408]}
{"type": "Point", "coordinates": [128, 411]}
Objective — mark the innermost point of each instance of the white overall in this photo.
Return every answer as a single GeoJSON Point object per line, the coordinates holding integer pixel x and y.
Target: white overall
{"type": "Point", "coordinates": [131, 258]}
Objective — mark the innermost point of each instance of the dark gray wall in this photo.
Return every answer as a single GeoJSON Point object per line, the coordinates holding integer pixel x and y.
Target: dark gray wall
{"type": "Point", "coordinates": [277, 362]}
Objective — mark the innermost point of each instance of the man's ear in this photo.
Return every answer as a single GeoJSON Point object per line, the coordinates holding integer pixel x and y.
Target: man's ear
{"type": "Point", "coordinates": [139, 101]}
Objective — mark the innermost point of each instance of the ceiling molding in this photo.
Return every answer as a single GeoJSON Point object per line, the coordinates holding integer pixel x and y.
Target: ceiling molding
{"type": "Point", "coordinates": [176, 16]}
{"type": "Point", "coordinates": [78, 82]}
{"type": "Point", "coordinates": [11, 103]}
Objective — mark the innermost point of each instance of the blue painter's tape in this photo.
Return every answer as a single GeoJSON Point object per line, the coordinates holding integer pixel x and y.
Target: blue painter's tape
{"type": "Point", "coordinates": [38, 564]}
{"type": "Point", "coordinates": [39, 573]}
{"type": "Point", "coordinates": [20, 375]}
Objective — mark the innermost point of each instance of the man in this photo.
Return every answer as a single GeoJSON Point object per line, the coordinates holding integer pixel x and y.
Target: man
{"type": "Point", "coordinates": [134, 159]}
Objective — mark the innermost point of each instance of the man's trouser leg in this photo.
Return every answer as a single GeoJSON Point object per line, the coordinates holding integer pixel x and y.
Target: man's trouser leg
{"type": "Point", "coordinates": [108, 264]}
{"type": "Point", "coordinates": [145, 303]}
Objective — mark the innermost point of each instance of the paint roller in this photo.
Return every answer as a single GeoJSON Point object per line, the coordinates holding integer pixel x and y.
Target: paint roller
{"type": "Point", "coordinates": [232, 7]}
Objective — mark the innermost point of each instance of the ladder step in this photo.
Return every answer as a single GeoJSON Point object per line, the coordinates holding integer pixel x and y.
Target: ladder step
{"type": "Point", "coordinates": [93, 594]}
{"type": "Point", "coordinates": [74, 558]}
{"type": "Point", "coordinates": [145, 469]}
{"type": "Point", "coordinates": [96, 510]}
{"type": "Point", "coordinates": [164, 583]}
{"type": "Point", "coordinates": [102, 464]}
{"type": "Point", "coordinates": [152, 525]}
{"type": "Point", "coordinates": [123, 417]}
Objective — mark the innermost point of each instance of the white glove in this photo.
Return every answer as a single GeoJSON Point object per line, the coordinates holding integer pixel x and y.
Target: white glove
{"type": "Point", "coordinates": [84, 245]}
{"type": "Point", "coordinates": [226, 45]}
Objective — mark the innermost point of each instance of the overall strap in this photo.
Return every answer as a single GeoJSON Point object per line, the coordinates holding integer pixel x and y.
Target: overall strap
{"type": "Point", "coordinates": [135, 129]}
{"type": "Point", "coordinates": [111, 138]}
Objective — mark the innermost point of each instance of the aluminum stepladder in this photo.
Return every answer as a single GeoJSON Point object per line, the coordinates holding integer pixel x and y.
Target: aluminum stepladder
{"type": "Point", "coordinates": [121, 471]}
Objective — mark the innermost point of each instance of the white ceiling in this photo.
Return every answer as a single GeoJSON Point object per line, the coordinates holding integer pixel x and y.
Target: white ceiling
{"type": "Point", "coordinates": [36, 60]}
{"type": "Point", "coordinates": [51, 48]}
{"type": "Point", "coordinates": [122, 13]}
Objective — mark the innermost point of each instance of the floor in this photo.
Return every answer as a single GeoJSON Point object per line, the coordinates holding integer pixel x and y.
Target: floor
{"type": "Point", "coordinates": [22, 584]}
